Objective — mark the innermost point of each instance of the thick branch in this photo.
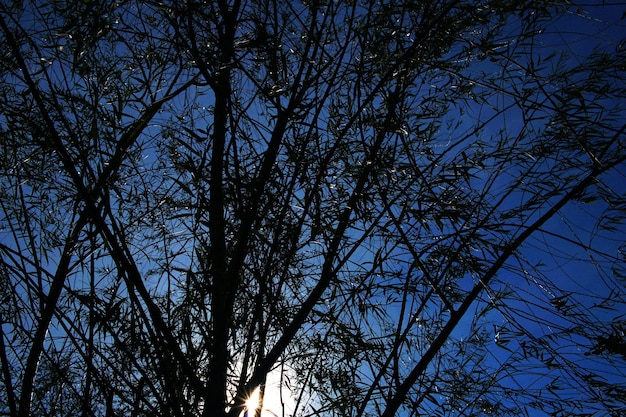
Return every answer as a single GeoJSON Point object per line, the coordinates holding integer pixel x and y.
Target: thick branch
{"type": "Point", "coordinates": [401, 393]}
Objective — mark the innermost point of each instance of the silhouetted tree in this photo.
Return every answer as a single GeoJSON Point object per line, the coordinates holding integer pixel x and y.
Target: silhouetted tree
{"type": "Point", "coordinates": [392, 208]}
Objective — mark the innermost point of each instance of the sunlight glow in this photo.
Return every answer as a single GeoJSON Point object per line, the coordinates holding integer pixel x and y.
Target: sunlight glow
{"type": "Point", "coordinates": [252, 403]}
{"type": "Point", "coordinates": [276, 400]}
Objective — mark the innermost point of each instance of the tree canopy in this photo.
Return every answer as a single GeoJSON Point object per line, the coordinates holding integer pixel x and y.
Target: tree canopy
{"type": "Point", "coordinates": [346, 208]}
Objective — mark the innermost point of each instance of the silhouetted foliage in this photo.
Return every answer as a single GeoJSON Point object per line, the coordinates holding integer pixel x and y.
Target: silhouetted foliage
{"type": "Point", "coordinates": [366, 208]}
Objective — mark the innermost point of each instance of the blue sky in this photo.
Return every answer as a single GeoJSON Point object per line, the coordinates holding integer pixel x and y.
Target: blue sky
{"type": "Point", "coordinates": [553, 271]}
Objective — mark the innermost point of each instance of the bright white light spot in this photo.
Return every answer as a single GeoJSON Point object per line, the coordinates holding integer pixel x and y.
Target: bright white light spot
{"type": "Point", "coordinates": [252, 403]}
{"type": "Point", "coordinates": [277, 400]}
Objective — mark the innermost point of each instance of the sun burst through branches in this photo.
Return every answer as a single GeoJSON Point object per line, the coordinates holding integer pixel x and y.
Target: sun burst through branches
{"type": "Point", "coordinates": [253, 403]}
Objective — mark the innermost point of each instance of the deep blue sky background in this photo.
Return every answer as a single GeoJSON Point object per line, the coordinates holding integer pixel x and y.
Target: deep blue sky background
{"type": "Point", "coordinates": [578, 282]}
